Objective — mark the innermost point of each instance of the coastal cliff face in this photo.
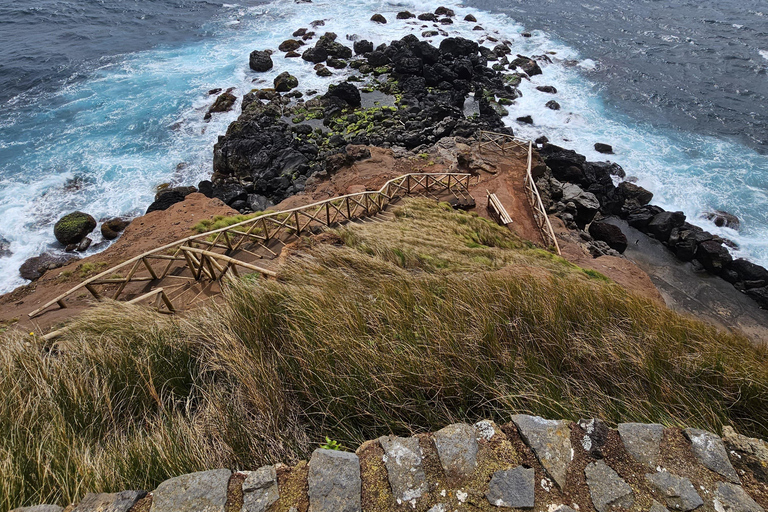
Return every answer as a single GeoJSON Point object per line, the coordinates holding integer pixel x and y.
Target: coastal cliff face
{"type": "Point", "coordinates": [530, 463]}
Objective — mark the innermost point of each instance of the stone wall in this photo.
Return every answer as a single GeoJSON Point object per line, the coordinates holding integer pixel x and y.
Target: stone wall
{"type": "Point", "coordinates": [530, 463]}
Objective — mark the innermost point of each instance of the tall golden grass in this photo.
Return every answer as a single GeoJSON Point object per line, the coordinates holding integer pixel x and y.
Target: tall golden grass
{"type": "Point", "coordinates": [435, 317]}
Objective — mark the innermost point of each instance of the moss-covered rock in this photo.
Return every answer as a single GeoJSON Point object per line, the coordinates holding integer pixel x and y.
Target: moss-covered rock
{"type": "Point", "coordinates": [73, 227]}
{"type": "Point", "coordinates": [284, 82]}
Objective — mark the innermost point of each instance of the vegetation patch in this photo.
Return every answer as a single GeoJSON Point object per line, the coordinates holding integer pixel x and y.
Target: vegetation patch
{"type": "Point", "coordinates": [404, 328]}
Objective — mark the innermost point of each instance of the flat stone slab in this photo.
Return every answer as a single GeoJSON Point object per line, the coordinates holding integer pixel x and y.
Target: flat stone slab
{"type": "Point", "coordinates": [678, 492]}
{"type": "Point", "coordinates": [710, 451]}
{"type": "Point", "coordinates": [512, 488]}
{"type": "Point", "coordinates": [550, 441]}
{"type": "Point", "coordinates": [205, 491]}
{"type": "Point", "coordinates": [39, 508]}
{"type": "Point", "coordinates": [642, 441]}
{"type": "Point", "coordinates": [606, 487]}
{"type": "Point", "coordinates": [733, 498]}
{"type": "Point", "coordinates": [457, 449]}
{"type": "Point", "coordinates": [260, 489]}
{"type": "Point", "coordinates": [334, 481]}
{"type": "Point", "coordinates": [402, 457]}
{"type": "Point", "coordinates": [103, 502]}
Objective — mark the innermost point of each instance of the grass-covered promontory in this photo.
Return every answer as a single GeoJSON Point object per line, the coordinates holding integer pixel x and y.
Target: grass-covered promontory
{"type": "Point", "coordinates": [434, 317]}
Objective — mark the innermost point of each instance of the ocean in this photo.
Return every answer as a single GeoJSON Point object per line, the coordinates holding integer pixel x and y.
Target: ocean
{"type": "Point", "coordinates": [103, 101]}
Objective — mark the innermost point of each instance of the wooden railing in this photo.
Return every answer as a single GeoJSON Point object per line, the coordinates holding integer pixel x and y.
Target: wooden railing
{"type": "Point", "coordinates": [217, 255]}
{"type": "Point", "coordinates": [500, 142]}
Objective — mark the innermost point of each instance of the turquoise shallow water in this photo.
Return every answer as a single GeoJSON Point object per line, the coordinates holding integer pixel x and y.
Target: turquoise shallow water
{"type": "Point", "coordinates": [102, 142]}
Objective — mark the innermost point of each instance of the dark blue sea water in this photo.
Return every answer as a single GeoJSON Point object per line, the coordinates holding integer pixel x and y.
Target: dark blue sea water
{"type": "Point", "coordinates": [101, 101]}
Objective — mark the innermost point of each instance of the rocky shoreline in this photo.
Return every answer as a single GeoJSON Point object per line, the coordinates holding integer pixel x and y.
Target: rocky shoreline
{"type": "Point", "coordinates": [408, 95]}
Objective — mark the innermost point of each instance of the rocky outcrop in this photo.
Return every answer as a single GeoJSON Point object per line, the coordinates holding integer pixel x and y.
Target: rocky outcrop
{"type": "Point", "coordinates": [224, 103]}
{"type": "Point", "coordinates": [487, 467]}
{"type": "Point", "coordinates": [34, 268]}
{"type": "Point", "coordinates": [73, 227]}
{"type": "Point", "coordinates": [568, 169]}
{"type": "Point", "coordinates": [272, 149]}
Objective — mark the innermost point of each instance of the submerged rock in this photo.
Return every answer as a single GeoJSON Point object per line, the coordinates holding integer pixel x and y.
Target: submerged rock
{"type": "Point", "coordinates": [723, 219]}
{"type": "Point", "coordinates": [73, 227]}
{"type": "Point", "coordinates": [603, 148]}
{"type": "Point", "coordinates": [5, 248]}
{"type": "Point", "coordinates": [224, 103]}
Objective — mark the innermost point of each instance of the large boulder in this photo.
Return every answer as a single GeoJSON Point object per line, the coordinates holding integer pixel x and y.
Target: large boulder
{"type": "Point", "coordinates": [34, 268]}
{"type": "Point", "coordinates": [633, 195]}
{"type": "Point", "coordinates": [73, 227]}
{"type": "Point", "coordinates": [530, 66]}
{"type": "Point", "coordinates": [749, 272]}
{"type": "Point", "coordinates": [285, 81]}
{"type": "Point", "coordinates": [315, 55]}
{"type": "Point", "coordinates": [363, 46]}
{"type": "Point", "coordinates": [260, 60]}
{"type": "Point", "coordinates": [610, 234]}
{"type": "Point", "coordinates": [713, 256]}
{"type": "Point", "coordinates": [459, 47]}
{"type": "Point", "coordinates": [347, 92]}
{"type": "Point", "coordinates": [290, 45]}
{"type": "Point", "coordinates": [661, 225]}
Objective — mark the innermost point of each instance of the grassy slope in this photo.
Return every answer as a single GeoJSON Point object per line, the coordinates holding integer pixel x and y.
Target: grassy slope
{"type": "Point", "coordinates": [436, 317]}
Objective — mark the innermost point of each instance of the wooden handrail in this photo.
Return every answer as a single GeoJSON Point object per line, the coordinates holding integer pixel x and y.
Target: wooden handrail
{"type": "Point", "coordinates": [545, 226]}
{"type": "Point", "coordinates": [371, 202]}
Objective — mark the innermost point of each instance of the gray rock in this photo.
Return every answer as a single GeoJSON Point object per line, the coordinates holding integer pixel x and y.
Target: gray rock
{"type": "Point", "coordinates": [710, 450]}
{"type": "Point", "coordinates": [334, 482]}
{"type": "Point", "coordinates": [733, 498]}
{"type": "Point", "coordinates": [457, 448]}
{"type": "Point", "coordinates": [205, 491]}
{"type": "Point", "coordinates": [402, 456]}
{"type": "Point", "coordinates": [117, 502]}
{"type": "Point", "coordinates": [563, 508]}
{"type": "Point", "coordinates": [512, 488]}
{"type": "Point", "coordinates": [642, 441]}
{"type": "Point", "coordinates": [550, 441]}
{"type": "Point", "coordinates": [657, 507]}
{"type": "Point", "coordinates": [260, 489]}
{"type": "Point", "coordinates": [606, 487]}
{"type": "Point", "coordinates": [39, 508]}
{"type": "Point", "coordinates": [678, 492]}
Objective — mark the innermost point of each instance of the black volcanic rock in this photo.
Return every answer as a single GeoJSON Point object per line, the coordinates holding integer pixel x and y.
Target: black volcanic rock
{"type": "Point", "coordinates": [260, 61]}
{"type": "Point", "coordinates": [610, 234]}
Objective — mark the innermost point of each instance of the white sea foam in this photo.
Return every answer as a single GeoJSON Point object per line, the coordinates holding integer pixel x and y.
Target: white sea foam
{"type": "Point", "coordinates": [127, 128]}
{"type": "Point", "coordinates": [763, 54]}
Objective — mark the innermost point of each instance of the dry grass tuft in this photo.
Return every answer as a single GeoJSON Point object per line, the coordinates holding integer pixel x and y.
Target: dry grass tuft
{"type": "Point", "coordinates": [435, 317]}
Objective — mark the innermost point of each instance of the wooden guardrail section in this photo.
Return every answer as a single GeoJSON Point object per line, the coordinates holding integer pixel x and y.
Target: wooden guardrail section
{"type": "Point", "coordinates": [179, 274]}
{"type": "Point", "coordinates": [501, 142]}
